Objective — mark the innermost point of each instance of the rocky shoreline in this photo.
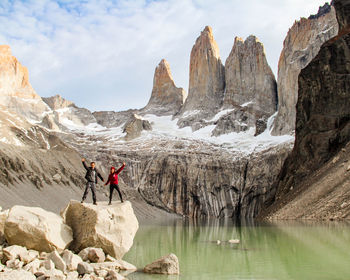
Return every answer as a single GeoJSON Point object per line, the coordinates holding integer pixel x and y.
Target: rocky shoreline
{"type": "Point", "coordinates": [86, 242]}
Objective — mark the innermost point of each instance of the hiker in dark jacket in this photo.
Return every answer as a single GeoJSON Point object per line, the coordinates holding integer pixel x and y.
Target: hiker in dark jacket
{"type": "Point", "coordinates": [113, 180]}
{"type": "Point", "coordinates": [91, 177]}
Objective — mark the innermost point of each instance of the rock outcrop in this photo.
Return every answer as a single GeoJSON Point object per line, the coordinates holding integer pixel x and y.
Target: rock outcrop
{"type": "Point", "coordinates": [16, 93]}
{"type": "Point", "coordinates": [135, 126]}
{"type": "Point", "coordinates": [111, 228]}
{"type": "Point", "coordinates": [165, 265]}
{"type": "Point", "coordinates": [36, 229]}
{"type": "Point", "coordinates": [57, 102]}
{"type": "Point", "coordinates": [249, 78]}
{"type": "Point", "coordinates": [207, 76]}
{"type": "Point", "coordinates": [166, 98]}
{"type": "Point", "coordinates": [65, 114]}
{"type": "Point", "coordinates": [301, 45]}
{"type": "Point", "coordinates": [322, 125]}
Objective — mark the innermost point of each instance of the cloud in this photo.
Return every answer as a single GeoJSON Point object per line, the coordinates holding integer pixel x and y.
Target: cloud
{"type": "Point", "coordinates": [102, 54]}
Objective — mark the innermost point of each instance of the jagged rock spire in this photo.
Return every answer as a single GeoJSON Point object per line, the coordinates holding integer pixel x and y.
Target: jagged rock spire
{"type": "Point", "coordinates": [207, 75]}
{"type": "Point", "coordinates": [166, 98]}
{"type": "Point", "coordinates": [249, 77]}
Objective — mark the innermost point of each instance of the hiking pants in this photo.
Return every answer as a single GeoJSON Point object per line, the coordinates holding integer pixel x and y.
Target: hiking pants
{"type": "Point", "coordinates": [111, 188]}
{"type": "Point", "coordinates": [90, 185]}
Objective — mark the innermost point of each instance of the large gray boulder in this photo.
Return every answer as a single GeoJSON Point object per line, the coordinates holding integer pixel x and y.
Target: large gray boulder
{"type": "Point", "coordinates": [111, 228]}
{"type": "Point", "coordinates": [35, 228]}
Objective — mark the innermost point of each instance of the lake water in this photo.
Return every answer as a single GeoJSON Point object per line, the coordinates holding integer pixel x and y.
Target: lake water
{"type": "Point", "coordinates": [282, 250]}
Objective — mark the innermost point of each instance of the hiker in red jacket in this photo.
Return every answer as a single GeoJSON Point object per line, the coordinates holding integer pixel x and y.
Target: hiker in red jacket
{"type": "Point", "coordinates": [113, 180]}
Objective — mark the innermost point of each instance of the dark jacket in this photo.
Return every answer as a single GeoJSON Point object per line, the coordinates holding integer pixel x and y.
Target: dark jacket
{"type": "Point", "coordinates": [89, 174]}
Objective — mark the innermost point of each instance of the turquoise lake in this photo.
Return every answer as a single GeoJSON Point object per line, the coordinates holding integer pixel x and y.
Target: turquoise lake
{"type": "Point", "coordinates": [281, 250]}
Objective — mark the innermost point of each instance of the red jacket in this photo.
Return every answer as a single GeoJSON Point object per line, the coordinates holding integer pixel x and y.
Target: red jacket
{"type": "Point", "coordinates": [113, 178]}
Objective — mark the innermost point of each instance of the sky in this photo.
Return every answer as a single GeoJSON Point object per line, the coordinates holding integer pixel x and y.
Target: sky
{"type": "Point", "coordinates": [102, 54]}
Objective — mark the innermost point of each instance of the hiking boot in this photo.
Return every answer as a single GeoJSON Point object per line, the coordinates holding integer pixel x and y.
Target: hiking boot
{"type": "Point", "coordinates": [95, 203]}
{"type": "Point", "coordinates": [122, 201]}
{"type": "Point", "coordinates": [110, 203]}
{"type": "Point", "coordinates": [82, 201]}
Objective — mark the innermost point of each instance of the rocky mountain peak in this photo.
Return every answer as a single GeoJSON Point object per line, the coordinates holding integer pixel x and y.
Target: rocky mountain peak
{"type": "Point", "coordinates": [166, 98]}
{"type": "Point", "coordinates": [16, 93]}
{"type": "Point", "coordinates": [322, 10]}
{"type": "Point", "coordinates": [249, 78]}
{"type": "Point", "coordinates": [57, 102]}
{"type": "Point", "coordinates": [5, 50]}
{"type": "Point", "coordinates": [301, 45]}
{"type": "Point", "coordinates": [207, 75]}
{"type": "Point", "coordinates": [14, 79]}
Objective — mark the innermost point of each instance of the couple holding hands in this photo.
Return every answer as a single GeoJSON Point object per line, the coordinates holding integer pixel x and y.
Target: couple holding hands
{"type": "Point", "coordinates": [91, 177]}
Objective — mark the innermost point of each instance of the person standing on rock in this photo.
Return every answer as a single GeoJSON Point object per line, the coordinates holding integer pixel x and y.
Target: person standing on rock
{"type": "Point", "coordinates": [113, 180]}
{"type": "Point", "coordinates": [91, 177]}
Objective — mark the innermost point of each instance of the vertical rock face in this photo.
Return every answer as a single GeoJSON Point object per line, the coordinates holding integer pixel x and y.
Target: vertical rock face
{"type": "Point", "coordinates": [14, 85]}
{"type": "Point", "coordinates": [301, 45]}
{"type": "Point", "coordinates": [166, 98]}
{"type": "Point", "coordinates": [210, 183]}
{"type": "Point", "coordinates": [207, 75]}
{"type": "Point", "coordinates": [322, 112]}
{"type": "Point", "coordinates": [249, 77]}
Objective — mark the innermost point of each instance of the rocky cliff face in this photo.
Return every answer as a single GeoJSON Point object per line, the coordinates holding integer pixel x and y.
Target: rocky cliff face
{"type": "Point", "coordinates": [207, 76]}
{"type": "Point", "coordinates": [210, 184]}
{"type": "Point", "coordinates": [322, 127]}
{"type": "Point", "coordinates": [166, 98]}
{"type": "Point", "coordinates": [16, 93]}
{"type": "Point", "coordinates": [249, 77]}
{"type": "Point", "coordinates": [301, 45]}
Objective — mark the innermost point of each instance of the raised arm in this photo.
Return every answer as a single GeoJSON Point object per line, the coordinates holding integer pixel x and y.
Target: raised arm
{"type": "Point", "coordinates": [83, 161]}
{"type": "Point", "coordinates": [121, 168]}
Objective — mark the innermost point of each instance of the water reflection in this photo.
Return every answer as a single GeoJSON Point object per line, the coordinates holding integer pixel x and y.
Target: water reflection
{"type": "Point", "coordinates": [277, 250]}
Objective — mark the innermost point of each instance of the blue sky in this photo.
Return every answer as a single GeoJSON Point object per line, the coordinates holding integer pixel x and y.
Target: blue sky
{"type": "Point", "coordinates": [102, 54]}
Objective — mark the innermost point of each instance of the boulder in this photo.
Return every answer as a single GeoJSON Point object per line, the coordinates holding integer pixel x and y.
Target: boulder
{"type": "Point", "coordinates": [29, 256]}
{"type": "Point", "coordinates": [113, 275]}
{"type": "Point", "coordinates": [73, 275]}
{"type": "Point", "coordinates": [111, 228]}
{"type": "Point", "coordinates": [52, 274]}
{"type": "Point", "coordinates": [116, 265]}
{"type": "Point", "coordinates": [14, 264]}
{"type": "Point", "coordinates": [3, 217]}
{"type": "Point", "coordinates": [96, 255]}
{"type": "Point", "coordinates": [165, 265]}
{"type": "Point", "coordinates": [48, 264]}
{"type": "Point", "coordinates": [58, 261]}
{"type": "Point", "coordinates": [17, 275]}
{"type": "Point", "coordinates": [85, 268]}
{"type": "Point", "coordinates": [134, 126]}
{"type": "Point", "coordinates": [71, 260]}
{"type": "Point", "coordinates": [36, 229]}
{"type": "Point", "coordinates": [121, 265]}
{"type": "Point", "coordinates": [14, 252]}
{"type": "Point", "coordinates": [33, 266]}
